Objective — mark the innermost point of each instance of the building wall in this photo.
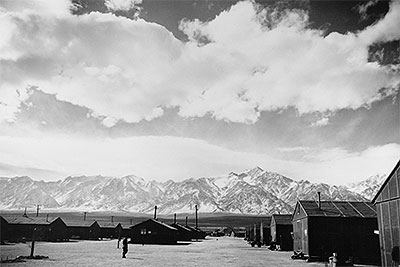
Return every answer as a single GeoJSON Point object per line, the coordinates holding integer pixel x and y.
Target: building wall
{"type": "Point", "coordinates": [388, 208]}
{"type": "Point", "coordinates": [57, 231]}
{"type": "Point", "coordinates": [84, 232]}
{"type": "Point", "coordinates": [266, 236]}
{"type": "Point", "coordinates": [3, 230]}
{"type": "Point", "coordinates": [348, 237]}
{"type": "Point", "coordinates": [300, 230]}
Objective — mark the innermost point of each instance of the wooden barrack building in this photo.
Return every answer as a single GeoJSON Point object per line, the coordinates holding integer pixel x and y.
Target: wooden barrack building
{"type": "Point", "coordinates": [387, 202]}
{"type": "Point", "coordinates": [153, 231]}
{"type": "Point", "coordinates": [321, 228]}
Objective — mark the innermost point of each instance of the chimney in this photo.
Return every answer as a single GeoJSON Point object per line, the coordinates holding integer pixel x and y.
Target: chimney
{"type": "Point", "coordinates": [84, 216]}
{"type": "Point", "coordinates": [112, 219]}
{"type": "Point", "coordinates": [47, 217]}
{"type": "Point", "coordinates": [319, 200]}
{"type": "Point", "coordinates": [197, 226]}
{"type": "Point", "coordinates": [130, 221]}
{"type": "Point", "coordinates": [155, 212]}
{"type": "Point", "coordinates": [186, 220]}
{"type": "Point", "coordinates": [25, 215]}
{"type": "Point", "coordinates": [174, 218]}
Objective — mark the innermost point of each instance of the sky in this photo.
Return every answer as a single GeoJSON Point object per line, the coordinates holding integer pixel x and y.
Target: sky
{"type": "Point", "coordinates": [194, 88]}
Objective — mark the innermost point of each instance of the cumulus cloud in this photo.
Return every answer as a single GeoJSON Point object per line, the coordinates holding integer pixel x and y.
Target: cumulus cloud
{"type": "Point", "coordinates": [362, 9]}
{"type": "Point", "coordinates": [385, 30]}
{"type": "Point", "coordinates": [321, 122]}
{"type": "Point", "coordinates": [244, 61]}
{"type": "Point", "coordinates": [122, 4]}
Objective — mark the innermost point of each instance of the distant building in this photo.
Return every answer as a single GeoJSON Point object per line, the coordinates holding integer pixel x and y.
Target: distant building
{"type": "Point", "coordinates": [196, 232]}
{"type": "Point", "coordinates": [110, 229]}
{"type": "Point", "coordinates": [321, 228]}
{"type": "Point", "coordinates": [126, 230]}
{"type": "Point", "coordinates": [184, 233]}
{"type": "Point", "coordinates": [281, 231]}
{"type": "Point", "coordinates": [239, 232]}
{"type": "Point", "coordinates": [86, 230]}
{"type": "Point", "coordinates": [3, 230]}
{"type": "Point", "coordinates": [253, 234]}
{"type": "Point", "coordinates": [265, 234]}
{"type": "Point", "coordinates": [153, 232]}
{"type": "Point", "coordinates": [387, 202]}
{"type": "Point", "coordinates": [38, 228]}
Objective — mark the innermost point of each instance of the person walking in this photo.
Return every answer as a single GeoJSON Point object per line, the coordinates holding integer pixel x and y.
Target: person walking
{"type": "Point", "coordinates": [124, 247]}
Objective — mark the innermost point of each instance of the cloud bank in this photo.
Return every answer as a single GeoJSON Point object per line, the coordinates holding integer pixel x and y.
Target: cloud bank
{"type": "Point", "coordinates": [175, 158]}
{"type": "Point", "coordinates": [244, 61]}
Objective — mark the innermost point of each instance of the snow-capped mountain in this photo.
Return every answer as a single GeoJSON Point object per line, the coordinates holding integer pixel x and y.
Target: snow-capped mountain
{"type": "Point", "coordinates": [253, 191]}
{"type": "Point", "coordinates": [369, 187]}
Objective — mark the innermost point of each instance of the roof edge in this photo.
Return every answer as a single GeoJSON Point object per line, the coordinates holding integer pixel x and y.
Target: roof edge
{"type": "Point", "coordinates": [385, 182]}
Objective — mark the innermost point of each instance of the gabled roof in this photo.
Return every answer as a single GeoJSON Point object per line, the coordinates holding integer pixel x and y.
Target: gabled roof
{"type": "Point", "coordinates": [158, 222]}
{"type": "Point", "coordinates": [107, 224]}
{"type": "Point", "coordinates": [180, 227]}
{"type": "Point", "coordinates": [266, 221]}
{"type": "Point", "coordinates": [386, 181]}
{"type": "Point", "coordinates": [283, 219]}
{"type": "Point", "coordinates": [194, 229]}
{"type": "Point", "coordinates": [19, 219]}
{"type": "Point", "coordinates": [339, 209]}
{"type": "Point", "coordinates": [79, 223]}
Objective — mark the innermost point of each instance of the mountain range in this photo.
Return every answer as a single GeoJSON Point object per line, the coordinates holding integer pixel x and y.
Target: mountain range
{"type": "Point", "coordinates": [253, 191]}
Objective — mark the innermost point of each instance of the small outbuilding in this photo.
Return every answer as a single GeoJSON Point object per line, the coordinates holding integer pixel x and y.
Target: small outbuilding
{"type": "Point", "coordinates": [86, 230]}
{"type": "Point", "coordinates": [153, 231]}
{"type": "Point", "coordinates": [321, 228]}
{"type": "Point", "coordinates": [281, 231]}
{"type": "Point", "coordinates": [387, 202]}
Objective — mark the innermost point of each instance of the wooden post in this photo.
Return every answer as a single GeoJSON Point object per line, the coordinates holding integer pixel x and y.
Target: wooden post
{"type": "Point", "coordinates": [33, 242]}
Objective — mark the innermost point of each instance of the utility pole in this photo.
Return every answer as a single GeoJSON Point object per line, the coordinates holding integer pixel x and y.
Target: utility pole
{"type": "Point", "coordinates": [155, 212]}
{"type": "Point", "coordinates": [37, 210]}
{"type": "Point", "coordinates": [25, 215]}
{"type": "Point", "coordinates": [197, 226]}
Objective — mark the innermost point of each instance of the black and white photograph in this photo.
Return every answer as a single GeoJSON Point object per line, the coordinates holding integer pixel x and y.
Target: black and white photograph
{"type": "Point", "coordinates": [200, 133]}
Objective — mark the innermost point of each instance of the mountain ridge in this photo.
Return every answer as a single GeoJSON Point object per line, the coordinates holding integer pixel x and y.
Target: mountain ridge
{"type": "Point", "coordinates": [253, 191]}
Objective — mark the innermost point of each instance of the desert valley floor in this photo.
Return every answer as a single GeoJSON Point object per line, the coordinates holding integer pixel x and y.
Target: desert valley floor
{"type": "Point", "coordinates": [223, 251]}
